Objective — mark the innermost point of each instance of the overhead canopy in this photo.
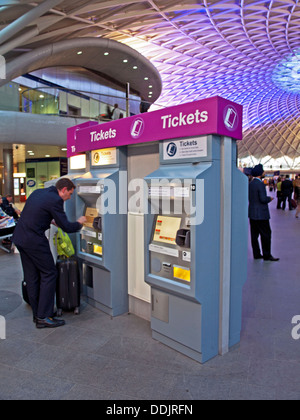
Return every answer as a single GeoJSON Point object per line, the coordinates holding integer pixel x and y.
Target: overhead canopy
{"type": "Point", "coordinates": [106, 57]}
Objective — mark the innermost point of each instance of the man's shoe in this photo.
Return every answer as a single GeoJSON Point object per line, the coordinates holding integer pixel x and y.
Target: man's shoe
{"type": "Point", "coordinates": [259, 257]}
{"type": "Point", "coordinates": [271, 259]}
{"type": "Point", "coordinates": [36, 318]}
{"type": "Point", "coordinates": [49, 322]}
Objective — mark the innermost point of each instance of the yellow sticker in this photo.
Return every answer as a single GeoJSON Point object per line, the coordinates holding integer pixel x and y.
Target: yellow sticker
{"type": "Point", "coordinates": [98, 249]}
{"type": "Point", "coordinates": [182, 273]}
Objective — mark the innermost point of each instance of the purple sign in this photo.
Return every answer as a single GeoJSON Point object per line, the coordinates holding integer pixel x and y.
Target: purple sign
{"type": "Point", "coordinates": [209, 116]}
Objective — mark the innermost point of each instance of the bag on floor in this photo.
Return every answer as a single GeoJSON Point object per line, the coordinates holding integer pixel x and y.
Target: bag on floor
{"type": "Point", "coordinates": [293, 203]}
{"type": "Point", "coordinates": [24, 292]}
{"type": "Point", "coordinates": [68, 285]}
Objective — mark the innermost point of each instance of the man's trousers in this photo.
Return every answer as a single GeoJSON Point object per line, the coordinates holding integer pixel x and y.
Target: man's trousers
{"type": "Point", "coordinates": [40, 275]}
{"type": "Point", "coordinates": [261, 228]}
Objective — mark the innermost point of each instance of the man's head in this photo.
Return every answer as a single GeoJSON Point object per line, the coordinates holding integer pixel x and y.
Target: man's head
{"type": "Point", "coordinates": [9, 198]}
{"type": "Point", "coordinates": [65, 188]}
{"type": "Point", "coordinates": [258, 171]}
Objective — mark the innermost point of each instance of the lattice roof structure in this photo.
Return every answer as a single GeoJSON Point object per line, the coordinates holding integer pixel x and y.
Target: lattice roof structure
{"type": "Point", "coordinates": [244, 50]}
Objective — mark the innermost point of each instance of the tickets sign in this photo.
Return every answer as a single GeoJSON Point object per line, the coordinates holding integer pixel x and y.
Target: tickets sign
{"type": "Point", "coordinates": [209, 116]}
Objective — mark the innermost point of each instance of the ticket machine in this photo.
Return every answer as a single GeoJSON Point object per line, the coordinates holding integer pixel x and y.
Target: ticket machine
{"type": "Point", "coordinates": [196, 245]}
{"type": "Point", "coordinates": [102, 243]}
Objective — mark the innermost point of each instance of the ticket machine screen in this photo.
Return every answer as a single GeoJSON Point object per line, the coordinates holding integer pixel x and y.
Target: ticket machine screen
{"type": "Point", "coordinates": [170, 254]}
{"type": "Point", "coordinates": [166, 229]}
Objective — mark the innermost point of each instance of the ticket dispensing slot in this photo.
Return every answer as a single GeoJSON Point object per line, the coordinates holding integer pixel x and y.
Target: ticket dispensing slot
{"type": "Point", "coordinates": [91, 233]}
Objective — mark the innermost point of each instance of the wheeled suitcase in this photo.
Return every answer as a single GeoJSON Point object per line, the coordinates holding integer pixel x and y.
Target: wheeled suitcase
{"type": "Point", "coordinates": [25, 292]}
{"type": "Point", "coordinates": [68, 285]}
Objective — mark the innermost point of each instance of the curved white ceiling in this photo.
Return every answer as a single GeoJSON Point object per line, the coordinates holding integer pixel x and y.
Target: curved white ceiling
{"type": "Point", "coordinates": [201, 48]}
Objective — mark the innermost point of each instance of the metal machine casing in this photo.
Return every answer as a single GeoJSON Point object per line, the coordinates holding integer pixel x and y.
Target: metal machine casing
{"type": "Point", "coordinates": [102, 243]}
{"type": "Point", "coordinates": [190, 275]}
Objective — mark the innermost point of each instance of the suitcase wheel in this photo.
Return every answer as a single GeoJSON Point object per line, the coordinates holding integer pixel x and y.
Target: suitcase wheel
{"type": "Point", "coordinates": [77, 311]}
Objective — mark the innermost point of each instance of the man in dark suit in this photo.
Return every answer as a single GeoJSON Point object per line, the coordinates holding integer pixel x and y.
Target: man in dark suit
{"type": "Point", "coordinates": [43, 207]}
{"type": "Point", "coordinates": [259, 216]}
{"type": "Point", "coordinates": [287, 189]}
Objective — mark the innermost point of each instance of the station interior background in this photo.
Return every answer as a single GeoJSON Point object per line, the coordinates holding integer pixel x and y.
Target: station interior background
{"type": "Point", "coordinates": [247, 52]}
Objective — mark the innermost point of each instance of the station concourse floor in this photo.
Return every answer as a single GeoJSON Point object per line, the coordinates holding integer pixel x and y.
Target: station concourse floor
{"type": "Point", "coordinates": [96, 357]}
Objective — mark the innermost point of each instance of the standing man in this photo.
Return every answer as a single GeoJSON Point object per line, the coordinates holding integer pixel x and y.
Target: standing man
{"type": "Point", "coordinates": [287, 189]}
{"type": "Point", "coordinates": [116, 113]}
{"type": "Point", "coordinates": [259, 216]}
{"type": "Point", "coordinates": [43, 207]}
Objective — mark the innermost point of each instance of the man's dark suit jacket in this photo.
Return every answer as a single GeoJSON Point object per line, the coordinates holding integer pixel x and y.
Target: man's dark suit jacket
{"type": "Point", "coordinates": [258, 201]}
{"type": "Point", "coordinates": [41, 208]}
{"type": "Point", "coordinates": [287, 187]}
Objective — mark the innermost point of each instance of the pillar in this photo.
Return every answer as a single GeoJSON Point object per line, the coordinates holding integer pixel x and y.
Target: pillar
{"type": "Point", "coordinates": [8, 170]}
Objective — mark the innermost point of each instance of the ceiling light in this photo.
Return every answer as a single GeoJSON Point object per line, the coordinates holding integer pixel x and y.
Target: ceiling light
{"type": "Point", "coordinates": [146, 78]}
{"type": "Point", "coordinates": [47, 155]}
{"type": "Point", "coordinates": [42, 96]}
{"type": "Point", "coordinates": [135, 68]}
{"type": "Point", "coordinates": [64, 149]}
{"type": "Point", "coordinates": [106, 53]}
{"type": "Point", "coordinates": [150, 87]}
{"type": "Point", "coordinates": [29, 151]}
{"type": "Point", "coordinates": [286, 75]}
{"type": "Point", "coordinates": [125, 61]}
{"type": "Point", "coordinates": [79, 52]}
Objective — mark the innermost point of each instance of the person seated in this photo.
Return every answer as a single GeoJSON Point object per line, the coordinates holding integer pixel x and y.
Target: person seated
{"type": "Point", "coordinates": [9, 208]}
{"type": "Point", "coordinates": [6, 222]}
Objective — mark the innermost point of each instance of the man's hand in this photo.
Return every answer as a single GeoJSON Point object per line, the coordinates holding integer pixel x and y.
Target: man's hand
{"type": "Point", "coordinates": [82, 220]}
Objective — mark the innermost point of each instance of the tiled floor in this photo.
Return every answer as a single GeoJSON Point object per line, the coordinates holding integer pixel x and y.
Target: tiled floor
{"type": "Point", "coordinates": [94, 357]}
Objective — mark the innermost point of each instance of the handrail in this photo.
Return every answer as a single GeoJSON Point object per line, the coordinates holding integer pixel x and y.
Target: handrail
{"type": "Point", "coordinates": [52, 101]}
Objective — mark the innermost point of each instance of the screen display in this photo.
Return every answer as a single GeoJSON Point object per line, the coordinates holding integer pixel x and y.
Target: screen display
{"type": "Point", "coordinates": [166, 229]}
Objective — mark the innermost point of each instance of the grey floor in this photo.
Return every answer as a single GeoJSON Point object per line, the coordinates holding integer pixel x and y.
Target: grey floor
{"type": "Point", "coordinates": [94, 357]}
